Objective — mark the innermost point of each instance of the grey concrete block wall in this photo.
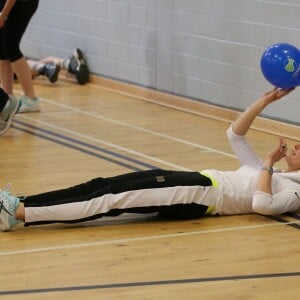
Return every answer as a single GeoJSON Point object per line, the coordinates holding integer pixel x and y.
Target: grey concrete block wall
{"type": "Point", "coordinates": [208, 50]}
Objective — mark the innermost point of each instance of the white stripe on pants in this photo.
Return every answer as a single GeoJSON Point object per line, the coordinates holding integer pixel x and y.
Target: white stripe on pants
{"type": "Point", "coordinates": [131, 199]}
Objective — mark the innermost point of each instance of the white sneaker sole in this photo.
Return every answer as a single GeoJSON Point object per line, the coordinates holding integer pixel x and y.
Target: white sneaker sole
{"type": "Point", "coordinates": [33, 108]}
{"type": "Point", "coordinates": [8, 122]}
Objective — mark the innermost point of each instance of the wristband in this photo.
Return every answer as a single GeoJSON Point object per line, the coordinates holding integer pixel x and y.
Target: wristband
{"type": "Point", "coordinates": [269, 169]}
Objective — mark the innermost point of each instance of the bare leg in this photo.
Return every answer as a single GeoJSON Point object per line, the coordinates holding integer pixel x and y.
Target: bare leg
{"type": "Point", "coordinates": [6, 75]}
{"type": "Point", "coordinates": [54, 59]}
{"type": "Point", "coordinates": [45, 67]}
{"type": "Point", "coordinates": [31, 64]}
{"type": "Point", "coordinates": [23, 72]}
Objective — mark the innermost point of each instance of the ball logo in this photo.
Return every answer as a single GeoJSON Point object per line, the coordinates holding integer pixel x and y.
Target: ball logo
{"type": "Point", "coordinates": [289, 65]}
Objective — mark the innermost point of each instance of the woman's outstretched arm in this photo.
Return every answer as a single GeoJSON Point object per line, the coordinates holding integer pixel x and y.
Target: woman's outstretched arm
{"type": "Point", "coordinates": [244, 121]}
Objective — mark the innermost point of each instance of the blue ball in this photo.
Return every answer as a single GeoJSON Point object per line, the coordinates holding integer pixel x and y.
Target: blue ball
{"type": "Point", "coordinates": [280, 64]}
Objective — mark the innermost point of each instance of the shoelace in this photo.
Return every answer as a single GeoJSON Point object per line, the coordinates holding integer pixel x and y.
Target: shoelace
{"type": "Point", "coordinates": [75, 63]}
{"type": "Point", "coordinates": [2, 207]}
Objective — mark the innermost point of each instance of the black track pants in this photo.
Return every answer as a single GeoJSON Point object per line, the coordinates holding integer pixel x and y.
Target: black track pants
{"type": "Point", "coordinates": [173, 194]}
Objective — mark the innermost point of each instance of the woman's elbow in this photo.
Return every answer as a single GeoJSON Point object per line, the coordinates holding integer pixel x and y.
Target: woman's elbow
{"type": "Point", "coordinates": [262, 204]}
{"type": "Point", "coordinates": [263, 210]}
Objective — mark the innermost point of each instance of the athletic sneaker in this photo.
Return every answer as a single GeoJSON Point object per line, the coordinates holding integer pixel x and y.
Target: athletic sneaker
{"type": "Point", "coordinates": [8, 206]}
{"type": "Point", "coordinates": [50, 70]}
{"type": "Point", "coordinates": [8, 112]}
{"type": "Point", "coordinates": [78, 66]}
{"type": "Point", "coordinates": [29, 105]}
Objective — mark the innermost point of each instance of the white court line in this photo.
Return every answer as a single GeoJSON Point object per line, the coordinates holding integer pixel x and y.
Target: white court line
{"type": "Point", "coordinates": [139, 128]}
{"type": "Point", "coordinates": [99, 141]}
{"type": "Point", "coordinates": [155, 133]}
{"type": "Point", "coordinates": [144, 238]}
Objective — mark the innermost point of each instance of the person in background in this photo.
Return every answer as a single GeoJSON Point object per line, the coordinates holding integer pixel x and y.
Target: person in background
{"type": "Point", "coordinates": [76, 65]}
{"type": "Point", "coordinates": [14, 19]}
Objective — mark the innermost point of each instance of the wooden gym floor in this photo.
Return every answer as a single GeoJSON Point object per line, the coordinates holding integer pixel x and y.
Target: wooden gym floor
{"type": "Point", "coordinates": [87, 131]}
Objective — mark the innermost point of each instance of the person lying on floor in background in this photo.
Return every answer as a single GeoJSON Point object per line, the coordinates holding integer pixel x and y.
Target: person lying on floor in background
{"type": "Point", "coordinates": [75, 65]}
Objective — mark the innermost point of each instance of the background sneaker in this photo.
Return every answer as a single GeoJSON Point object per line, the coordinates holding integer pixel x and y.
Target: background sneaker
{"type": "Point", "coordinates": [78, 67]}
{"type": "Point", "coordinates": [29, 105]}
{"type": "Point", "coordinates": [8, 112]}
{"type": "Point", "coordinates": [8, 206]}
{"type": "Point", "coordinates": [51, 71]}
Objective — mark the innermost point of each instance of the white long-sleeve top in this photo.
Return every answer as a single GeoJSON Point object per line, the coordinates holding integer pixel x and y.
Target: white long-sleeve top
{"type": "Point", "coordinates": [237, 192]}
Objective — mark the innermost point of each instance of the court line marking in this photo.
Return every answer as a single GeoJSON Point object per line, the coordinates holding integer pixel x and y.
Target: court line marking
{"type": "Point", "coordinates": [103, 142]}
{"type": "Point", "coordinates": [150, 283]}
{"type": "Point", "coordinates": [78, 148]}
{"type": "Point", "coordinates": [282, 220]}
{"type": "Point", "coordinates": [293, 215]}
{"type": "Point", "coordinates": [141, 238]}
{"type": "Point", "coordinates": [58, 137]}
{"type": "Point", "coordinates": [130, 151]}
{"type": "Point", "coordinates": [152, 132]}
